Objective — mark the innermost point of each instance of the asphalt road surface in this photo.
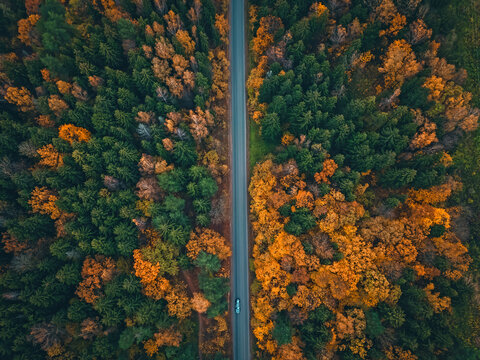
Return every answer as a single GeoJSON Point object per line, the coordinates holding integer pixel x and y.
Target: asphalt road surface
{"type": "Point", "coordinates": [240, 286]}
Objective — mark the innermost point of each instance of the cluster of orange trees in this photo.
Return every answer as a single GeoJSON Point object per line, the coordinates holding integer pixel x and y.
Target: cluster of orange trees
{"type": "Point", "coordinates": [360, 240]}
{"type": "Point", "coordinates": [114, 179]}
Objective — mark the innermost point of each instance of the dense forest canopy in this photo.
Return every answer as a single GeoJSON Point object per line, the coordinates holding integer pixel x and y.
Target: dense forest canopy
{"type": "Point", "coordinates": [365, 237]}
{"type": "Point", "coordinates": [364, 188]}
{"type": "Point", "coordinates": [114, 179]}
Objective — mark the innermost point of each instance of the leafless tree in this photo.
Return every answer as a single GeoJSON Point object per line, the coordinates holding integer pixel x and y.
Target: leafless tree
{"type": "Point", "coordinates": [46, 335]}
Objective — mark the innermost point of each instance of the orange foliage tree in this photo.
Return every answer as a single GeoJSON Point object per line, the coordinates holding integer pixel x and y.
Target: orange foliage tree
{"type": "Point", "coordinates": [221, 73]}
{"type": "Point", "coordinates": [199, 122]}
{"type": "Point", "coordinates": [199, 303]}
{"type": "Point", "coordinates": [254, 83]}
{"type": "Point", "coordinates": [72, 133]}
{"type": "Point", "coordinates": [12, 245]}
{"type": "Point", "coordinates": [388, 14]}
{"type": "Point", "coordinates": [221, 24]}
{"type": "Point", "coordinates": [164, 337]}
{"type": "Point", "coordinates": [329, 167]}
{"type": "Point", "coordinates": [174, 23]}
{"type": "Point", "coordinates": [57, 105]}
{"type": "Point", "coordinates": [154, 286]}
{"type": "Point", "coordinates": [291, 351]}
{"type": "Point", "coordinates": [111, 10]}
{"type": "Point", "coordinates": [32, 6]}
{"type": "Point", "coordinates": [64, 87]}
{"type": "Point", "coordinates": [20, 97]}
{"type": "Point", "coordinates": [186, 41]}
{"type": "Point", "coordinates": [45, 120]}
{"type": "Point", "coordinates": [43, 201]}
{"type": "Point", "coordinates": [216, 336]}
{"type": "Point", "coordinates": [148, 188]}
{"type": "Point", "coordinates": [264, 35]}
{"type": "Point", "coordinates": [49, 156]}
{"type": "Point", "coordinates": [399, 64]}
{"type": "Point", "coordinates": [178, 302]}
{"type": "Point", "coordinates": [95, 273]}
{"type": "Point", "coordinates": [419, 32]}
{"type": "Point", "coordinates": [397, 353]}
{"type": "Point", "coordinates": [25, 28]}
{"type": "Point", "coordinates": [209, 241]}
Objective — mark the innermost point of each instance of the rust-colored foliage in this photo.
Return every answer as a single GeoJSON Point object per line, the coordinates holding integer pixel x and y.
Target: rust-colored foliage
{"type": "Point", "coordinates": [399, 64]}
{"type": "Point", "coordinates": [397, 353]}
{"type": "Point", "coordinates": [425, 136]}
{"type": "Point", "coordinates": [164, 49]}
{"type": "Point", "coordinates": [209, 241]}
{"type": "Point", "coordinates": [12, 245]}
{"type": "Point", "coordinates": [57, 105]}
{"type": "Point", "coordinates": [45, 121]}
{"type": "Point", "coordinates": [46, 75]}
{"type": "Point", "coordinates": [175, 86]}
{"type": "Point", "coordinates": [291, 351]}
{"type": "Point", "coordinates": [178, 302]}
{"type": "Point", "coordinates": [64, 87]}
{"type": "Point", "coordinates": [254, 83]}
{"type": "Point", "coordinates": [49, 156]}
{"type": "Point", "coordinates": [32, 6]}
{"type": "Point", "coordinates": [149, 165]}
{"type": "Point", "coordinates": [186, 41]}
{"type": "Point", "coordinates": [179, 64]}
{"type": "Point", "coordinates": [199, 122]}
{"type": "Point", "coordinates": [95, 81]}
{"type": "Point", "coordinates": [199, 303]}
{"type": "Point", "coordinates": [194, 12]}
{"type": "Point", "coordinates": [145, 117]}
{"type": "Point", "coordinates": [439, 303]}
{"type": "Point", "coordinates": [329, 167]}
{"type": "Point", "coordinates": [167, 144]}
{"type": "Point", "coordinates": [161, 68]}
{"type": "Point", "coordinates": [25, 30]}
{"type": "Point", "coordinates": [79, 93]}
{"type": "Point", "coordinates": [154, 286]}
{"type": "Point", "coordinates": [419, 32]}
{"type": "Point", "coordinates": [455, 102]}
{"type": "Point", "coordinates": [318, 9]}
{"type": "Point", "coordinates": [43, 201]}
{"type": "Point", "coordinates": [20, 97]}
{"type": "Point", "coordinates": [111, 9]}
{"type": "Point", "coordinates": [90, 328]}
{"type": "Point", "coordinates": [217, 336]}
{"type": "Point", "coordinates": [220, 76]}
{"type": "Point", "coordinates": [72, 133]}
{"type": "Point", "coordinates": [147, 188]}
{"type": "Point", "coordinates": [174, 23]}
{"type": "Point", "coordinates": [264, 35]}
{"type": "Point", "coordinates": [95, 273]}
{"type": "Point", "coordinates": [388, 14]}
{"type": "Point", "coordinates": [221, 24]}
{"type": "Point", "coordinates": [164, 337]}
{"type": "Point", "coordinates": [172, 120]}
{"type": "Point", "coordinates": [252, 16]}
{"type": "Point", "coordinates": [287, 139]}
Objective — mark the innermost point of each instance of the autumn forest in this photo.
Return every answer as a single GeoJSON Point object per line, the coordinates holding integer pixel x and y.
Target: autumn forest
{"type": "Point", "coordinates": [115, 179]}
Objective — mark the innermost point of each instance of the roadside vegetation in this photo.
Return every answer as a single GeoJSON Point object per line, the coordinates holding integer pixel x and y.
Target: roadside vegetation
{"type": "Point", "coordinates": [365, 212]}
{"type": "Point", "coordinates": [114, 179]}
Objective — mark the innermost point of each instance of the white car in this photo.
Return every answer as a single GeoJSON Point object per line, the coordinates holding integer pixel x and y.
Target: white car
{"type": "Point", "coordinates": [237, 306]}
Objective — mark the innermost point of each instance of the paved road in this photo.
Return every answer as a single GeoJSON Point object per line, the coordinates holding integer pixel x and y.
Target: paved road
{"type": "Point", "coordinates": [240, 286]}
